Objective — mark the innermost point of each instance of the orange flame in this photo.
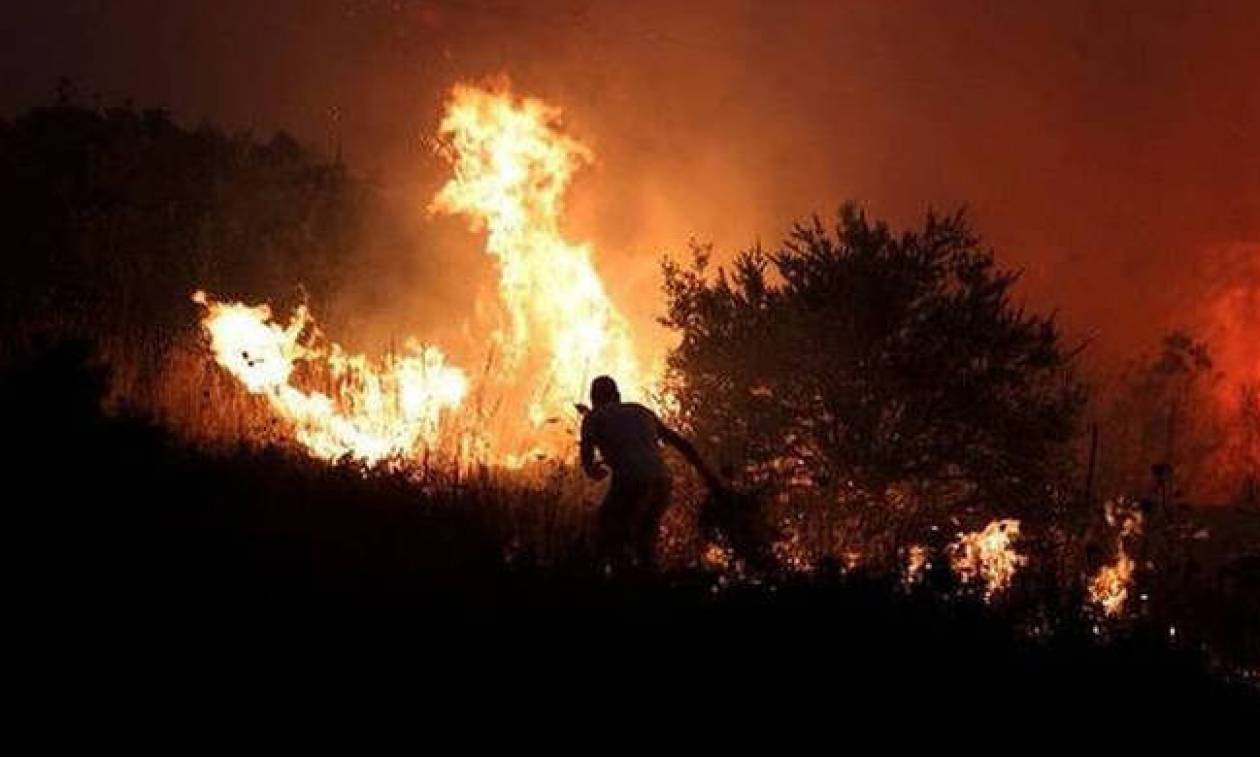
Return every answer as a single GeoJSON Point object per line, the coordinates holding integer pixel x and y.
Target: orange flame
{"type": "Point", "coordinates": [988, 556]}
{"type": "Point", "coordinates": [917, 565]}
{"type": "Point", "coordinates": [1109, 588]}
{"type": "Point", "coordinates": [511, 165]}
{"type": "Point", "coordinates": [374, 411]}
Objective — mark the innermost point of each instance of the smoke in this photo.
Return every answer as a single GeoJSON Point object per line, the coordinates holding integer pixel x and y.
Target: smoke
{"type": "Point", "coordinates": [1231, 320]}
{"type": "Point", "coordinates": [1110, 153]}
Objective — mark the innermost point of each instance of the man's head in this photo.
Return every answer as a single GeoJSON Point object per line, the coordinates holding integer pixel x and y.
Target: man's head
{"type": "Point", "coordinates": [604, 391]}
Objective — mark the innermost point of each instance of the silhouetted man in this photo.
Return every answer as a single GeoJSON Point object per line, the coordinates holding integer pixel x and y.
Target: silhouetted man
{"type": "Point", "coordinates": [628, 437]}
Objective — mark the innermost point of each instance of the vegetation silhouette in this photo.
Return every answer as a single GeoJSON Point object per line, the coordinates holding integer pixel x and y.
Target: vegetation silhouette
{"type": "Point", "coordinates": [118, 214]}
{"type": "Point", "coordinates": [130, 528]}
{"type": "Point", "coordinates": [942, 402]}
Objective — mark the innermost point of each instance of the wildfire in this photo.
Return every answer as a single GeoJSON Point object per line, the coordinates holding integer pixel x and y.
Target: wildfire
{"type": "Point", "coordinates": [988, 556]}
{"type": "Point", "coordinates": [372, 411]}
{"type": "Point", "coordinates": [916, 566]}
{"type": "Point", "coordinates": [1109, 589]}
{"type": "Point", "coordinates": [511, 166]}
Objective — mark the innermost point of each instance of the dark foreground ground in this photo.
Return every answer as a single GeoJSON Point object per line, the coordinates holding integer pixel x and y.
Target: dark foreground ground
{"type": "Point", "coordinates": [139, 559]}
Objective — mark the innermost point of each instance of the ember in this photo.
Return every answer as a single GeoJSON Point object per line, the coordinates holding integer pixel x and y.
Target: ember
{"type": "Point", "coordinates": [917, 565]}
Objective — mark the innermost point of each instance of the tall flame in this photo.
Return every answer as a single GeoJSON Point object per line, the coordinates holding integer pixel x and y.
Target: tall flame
{"type": "Point", "coordinates": [511, 166]}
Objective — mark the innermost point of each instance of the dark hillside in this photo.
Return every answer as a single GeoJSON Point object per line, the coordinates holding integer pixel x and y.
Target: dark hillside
{"type": "Point", "coordinates": [124, 531]}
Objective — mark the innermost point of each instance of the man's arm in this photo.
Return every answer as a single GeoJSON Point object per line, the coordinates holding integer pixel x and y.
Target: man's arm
{"type": "Point", "coordinates": [593, 469]}
{"type": "Point", "coordinates": [689, 453]}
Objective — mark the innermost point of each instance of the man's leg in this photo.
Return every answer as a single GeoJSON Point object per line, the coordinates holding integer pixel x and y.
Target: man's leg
{"type": "Point", "coordinates": [612, 524]}
{"type": "Point", "coordinates": [652, 503]}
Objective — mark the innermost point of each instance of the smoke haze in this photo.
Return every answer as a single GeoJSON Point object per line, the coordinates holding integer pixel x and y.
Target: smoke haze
{"type": "Point", "coordinates": [1112, 153]}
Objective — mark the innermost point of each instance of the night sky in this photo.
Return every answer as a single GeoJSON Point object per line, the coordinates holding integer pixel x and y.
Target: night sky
{"type": "Point", "coordinates": [1111, 152]}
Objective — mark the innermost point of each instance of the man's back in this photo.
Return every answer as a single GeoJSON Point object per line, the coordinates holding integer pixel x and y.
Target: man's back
{"type": "Point", "coordinates": [628, 436]}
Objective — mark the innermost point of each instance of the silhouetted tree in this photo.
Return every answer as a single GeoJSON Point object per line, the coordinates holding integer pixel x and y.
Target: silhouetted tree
{"type": "Point", "coordinates": [1166, 415]}
{"type": "Point", "coordinates": [115, 215]}
{"type": "Point", "coordinates": [873, 367]}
